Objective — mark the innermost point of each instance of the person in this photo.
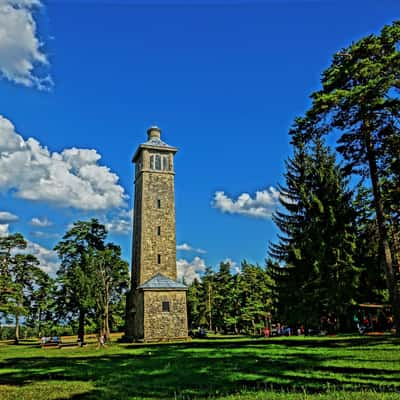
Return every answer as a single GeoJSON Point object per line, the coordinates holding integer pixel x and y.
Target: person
{"type": "Point", "coordinates": [102, 341]}
{"type": "Point", "coordinates": [266, 331]}
{"type": "Point", "coordinates": [55, 339]}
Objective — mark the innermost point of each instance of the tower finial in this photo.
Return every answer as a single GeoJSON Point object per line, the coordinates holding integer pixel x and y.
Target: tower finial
{"type": "Point", "coordinates": [153, 132]}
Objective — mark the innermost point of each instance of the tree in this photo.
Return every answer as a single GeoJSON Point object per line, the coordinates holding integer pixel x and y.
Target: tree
{"type": "Point", "coordinates": [360, 99]}
{"type": "Point", "coordinates": [20, 280]}
{"type": "Point", "coordinates": [318, 241]}
{"type": "Point", "coordinates": [25, 275]}
{"type": "Point", "coordinates": [77, 274]}
{"type": "Point", "coordinates": [222, 299]}
{"type": "Point", "coordinates": [254, 297]}
{"type": "Point", "coordinates": [8, 245]}
{"type": "Point", "coordinates": [42, 315]}
{"type": "Point", "coordinates": [195, 307]}
{"type": "Point", "coordinates": [112, 279]}
{"type": "Point", "coordinates": [372, 287]}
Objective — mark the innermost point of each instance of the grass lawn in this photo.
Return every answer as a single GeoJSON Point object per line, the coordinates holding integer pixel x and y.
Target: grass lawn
{"type": "Point", "coordinates": [349, 368]}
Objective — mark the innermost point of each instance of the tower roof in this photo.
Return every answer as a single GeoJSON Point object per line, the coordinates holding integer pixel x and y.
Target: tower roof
{"type": "Point", "coordinates": [154, 142]}
{"type": "Point", "coordinates": [160, 281]}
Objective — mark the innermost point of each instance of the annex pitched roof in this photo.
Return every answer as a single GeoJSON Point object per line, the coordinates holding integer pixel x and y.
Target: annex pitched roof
{"type": "Point", "coordinates": [161, 281]}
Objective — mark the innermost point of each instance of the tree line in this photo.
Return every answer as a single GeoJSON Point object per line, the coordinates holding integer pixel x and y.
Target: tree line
{"type": "Point", "coordinates": [88, 289]}
{"type": "Point", "coordinates": [231, 303]}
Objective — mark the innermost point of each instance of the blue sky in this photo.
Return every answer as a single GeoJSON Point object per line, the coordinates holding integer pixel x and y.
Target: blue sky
{"type": "Point", "coordinates": [222, 79]}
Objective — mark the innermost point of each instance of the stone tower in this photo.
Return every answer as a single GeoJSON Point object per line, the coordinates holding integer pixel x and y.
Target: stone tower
{"type": "Point", "coordinates": [156, 308]}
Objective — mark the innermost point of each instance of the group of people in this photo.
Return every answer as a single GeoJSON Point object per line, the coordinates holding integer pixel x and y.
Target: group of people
{"type": "Point", "coordinates": [277, 330]}
{"type": "Point", "coordinates": [50, 340]}
{"type": "Point", "coordinates": [373, 323]}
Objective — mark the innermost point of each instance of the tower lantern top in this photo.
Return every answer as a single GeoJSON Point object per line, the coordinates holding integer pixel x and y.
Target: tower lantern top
{"type": "Point", "coordinates": [154, 132]}
{"type": "Point", "coordinates": [154, 142]}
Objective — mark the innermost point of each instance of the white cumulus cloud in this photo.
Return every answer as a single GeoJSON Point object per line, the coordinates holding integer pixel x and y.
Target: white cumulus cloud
{"type": "Point", "coordinates": [4, 230]}
{"type": "Point", "coordinates": [21, 50]}
{"type": "Point", "coordinates": [6, 217]}
{"type": "Point", "coordinates": [262, 205]}
{"type": "Point", "coordinates": [48, 258]}
{"type": "Point", "coordinates": [187, 247]}
{"type": "Point", "coordinates": [188, 271]}
{"type": "Point", "coordinates": [120, 223]}
{"type": "Point", "coordinates": [72, 178]}
{"type": "Point", "coordinates": [41, 222]}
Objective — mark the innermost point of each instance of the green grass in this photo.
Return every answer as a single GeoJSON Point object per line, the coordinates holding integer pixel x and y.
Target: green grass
{"type": "Point", "coordinates": [348, 368]}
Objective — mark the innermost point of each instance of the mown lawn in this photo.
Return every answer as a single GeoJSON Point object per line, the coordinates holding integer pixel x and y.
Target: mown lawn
{"type": "Point", "coordinates": [349, 368]}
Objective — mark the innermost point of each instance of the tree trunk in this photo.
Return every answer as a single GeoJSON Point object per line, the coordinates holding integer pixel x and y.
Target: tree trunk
{"type": "Point", "coordinates": [105, 323]}
{"type": "Point", "coordinates": [383, 232]}
{"type": "Point", "coordinates": [396, 246]}
{"type": "Point", "coordinates": [106, 313]}
{"type": "Point", "coordinates": [81, 326]}
{"type": "Point", "coordinates": [209, 307]}
{"type": "Point", "coordinates": [16, 339]}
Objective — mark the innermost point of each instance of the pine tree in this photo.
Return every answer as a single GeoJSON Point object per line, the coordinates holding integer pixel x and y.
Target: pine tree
{"type": "Point", "coordinates": [359, 98]}
{"type": "Point", "coordinates": [254, 298]}
{"type": "Point", "coordinates": [222, 299]}
{"type": "Point", "coordinates": [372, 287]}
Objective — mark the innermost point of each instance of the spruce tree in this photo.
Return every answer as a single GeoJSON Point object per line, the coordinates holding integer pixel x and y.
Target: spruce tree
{"type": "Point", "coordinates": [317, 243]}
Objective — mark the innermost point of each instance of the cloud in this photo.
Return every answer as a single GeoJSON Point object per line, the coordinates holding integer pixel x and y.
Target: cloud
{"type": "Point", "coordinates": [4, 230]}
{"type": "Point", "coordinates": [121, 223]}
{"type": "Point", "coordinates": [6, 217]}
{"type": "Point", "coordinates": [41, 222]}
{"type": "Point", "coordinates": [72, 178]}
{"type": "Point", "coordinates": [46, 235]}
{"type": "Point", "coordinates": [190, 270]}
{"type": "Point", "coordinates": [21, 54]}
{"type": "Point", "coordinates": [48, 258]}
{"type": "Point", "coordinates": [187, 247]}
{"type": "Point", "coordinates": [262, 206]}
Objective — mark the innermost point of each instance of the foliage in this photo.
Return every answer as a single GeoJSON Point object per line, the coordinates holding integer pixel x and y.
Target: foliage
{"type": "Point", "coordinates": [112, 279]}
{"type": "Point", "coordinates": [231, 303]}
{"type": "Point", "coordinates": [360, 100]}
{"type": "Point", "coordinates": [21, 280]}
{"type": "Point", "coordinates": [317, 244]}
{"type": "Point", "coordinates": [92, 277]}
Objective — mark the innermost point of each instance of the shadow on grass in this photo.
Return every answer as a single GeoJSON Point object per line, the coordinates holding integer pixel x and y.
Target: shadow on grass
{"type": "Point", "coordinates": [208, 368]}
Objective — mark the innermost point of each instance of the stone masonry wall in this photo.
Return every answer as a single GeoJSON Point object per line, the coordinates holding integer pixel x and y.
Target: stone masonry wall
{"type": "Point", "coordinates": [150, 187]}
{"type": "Point", "coordinates": [157, 186]}
{"type": "Point", "coordinates": [159, 324]}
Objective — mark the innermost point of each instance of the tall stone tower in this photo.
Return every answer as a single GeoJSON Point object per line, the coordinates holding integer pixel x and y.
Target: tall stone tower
{"type": "Point", "coordinates": [156, 308]}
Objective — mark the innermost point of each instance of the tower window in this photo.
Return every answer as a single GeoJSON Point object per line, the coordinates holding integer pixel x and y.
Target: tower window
{"type": "Point", "coordinates": [151, 162]}
{"type": "Point", "coordinates": [158, 258]}
{"type": "Point", "coordinates": [158, 162]}
{"type": "Point", "coordinates": [158, 203]}
{"type": "Point", "coordinates": [165, 306]}
{"type": "Point", "coordinates": [159, 230]}
{"type": "Point", "coordinates": [165, 163]}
